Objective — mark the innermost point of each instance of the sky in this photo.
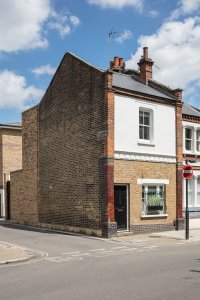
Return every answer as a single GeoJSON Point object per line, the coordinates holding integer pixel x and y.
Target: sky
{"type": "Point", "coordinates": [35, 34]}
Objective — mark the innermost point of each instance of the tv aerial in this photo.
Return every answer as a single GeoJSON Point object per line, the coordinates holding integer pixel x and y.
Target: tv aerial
{"type": "Point", "coordinates": [114, 34]}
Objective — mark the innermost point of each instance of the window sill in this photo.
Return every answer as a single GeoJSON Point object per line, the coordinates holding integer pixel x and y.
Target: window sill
{"type": "Point", "coordinates": [154, 216]}
{"type": "Point", "coordinates": [146, 144]}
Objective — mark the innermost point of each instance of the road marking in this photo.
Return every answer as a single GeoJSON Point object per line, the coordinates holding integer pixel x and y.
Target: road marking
{"type": "Point", "coordinates": [70, 253]}
{"type": "Point", "coordinates": [97, 250]}
{"type": "Point", "coordinates": [100, 253]}
{"type": "Point", "coordinates": [121, 247]}
{"type": "Point", "coordinates": [81, 254]}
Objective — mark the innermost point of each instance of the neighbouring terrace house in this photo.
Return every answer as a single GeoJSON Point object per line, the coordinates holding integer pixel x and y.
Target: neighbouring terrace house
{"type": "Point", "coordinates": [10, 160]}
{"type": "Point", "coordinates": [102, 152]}
{"type": "Point", "coordinates": [191, 153]}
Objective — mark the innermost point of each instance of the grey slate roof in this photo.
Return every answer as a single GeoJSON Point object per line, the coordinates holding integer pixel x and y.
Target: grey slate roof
{"type": "Point", "coordinates": [190, 110]}
{"type": "Point", "coordinates": [14, 124]}
{"type": "Point", "coordinates": [128, 82]}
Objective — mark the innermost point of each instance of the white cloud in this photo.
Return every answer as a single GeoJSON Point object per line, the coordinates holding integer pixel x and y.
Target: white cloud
{"type": "Point", "coordinates": [23, 24]}
{"type": "Point", "coordinates": [63, 23]}
{"type": "Point", "coordinates": [153, 13]}
{"type": "Point", "coordinates": [185, 7]}
{"type": "Point", "coordinates": [42, 70]}
{"type": "Point", "coordinates": [75, 20]}
{"type": "Point", "coordinates": [175, 49]}
{"type": "Point", "coordinates": [63, 30]}
{"type": "Point", "coordinates": [15, 93]}
{"type": "Point", "coordinates": [117, 4]}
{"type": "Point", "coordinates": [125, 35]}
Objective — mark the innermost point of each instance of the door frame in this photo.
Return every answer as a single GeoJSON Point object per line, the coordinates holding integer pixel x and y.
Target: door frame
{"type": "Point", "coordinates": [127, 204]}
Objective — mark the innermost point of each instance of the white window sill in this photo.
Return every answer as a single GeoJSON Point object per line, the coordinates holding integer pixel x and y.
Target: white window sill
{"type": "Point", "coordinates": [154, 216]}
{"type": "Point", "coordinates": [142, 143]}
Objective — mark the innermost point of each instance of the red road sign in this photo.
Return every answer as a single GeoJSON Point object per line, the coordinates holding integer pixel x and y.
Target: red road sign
{"type": "Point", "coordinates": [187, 171]}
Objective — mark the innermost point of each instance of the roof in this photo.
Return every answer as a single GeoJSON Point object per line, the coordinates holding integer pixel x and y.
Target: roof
{"type": "Point", "coordinates": [190, 110]}
{"type": "Point", "coordinates": [13, 125]}
{"type": "Point", "coordinates": [132, 83]}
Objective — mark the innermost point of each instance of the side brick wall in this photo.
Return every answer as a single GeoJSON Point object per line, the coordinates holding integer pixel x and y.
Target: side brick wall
{"type": "Point", "coordinates": [23, 192]}
{"type": "Point", "coordinates": [72, 133]}
{"type": "Point", "coordinates": [12, 150]}
{"type": "Point", "coordinates": [127, 172]}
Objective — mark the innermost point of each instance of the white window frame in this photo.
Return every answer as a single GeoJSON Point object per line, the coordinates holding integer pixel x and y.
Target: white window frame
{"type": "Point", "coordinates": [154, 182]}
{"type": "Point", "coordinates": [155, 212]}
{"type": "Point", "coordinates": [187, 139]}
{"type": "Point", "coordinates": [194, 140]}
{"type": "Point", "coordinates": [194, 190]}
{"type": "Point", "coordinates": [150, 126]}
{"type": "Point", "coordinates": [197, 140]}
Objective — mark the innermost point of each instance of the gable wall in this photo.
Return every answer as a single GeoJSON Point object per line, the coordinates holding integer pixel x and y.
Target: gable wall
{"type": "Point", "coordinates": [71, 145]}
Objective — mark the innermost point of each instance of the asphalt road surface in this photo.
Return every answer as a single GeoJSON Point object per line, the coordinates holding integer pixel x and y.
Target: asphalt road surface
{"type": "Point", "coordinates": [82, 268]}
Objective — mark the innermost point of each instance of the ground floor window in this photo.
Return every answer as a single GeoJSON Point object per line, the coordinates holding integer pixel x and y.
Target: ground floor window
{"type": "Point", "coordinates": [193, 191]}
{"type": "Point", "coordinates": [153, 199]}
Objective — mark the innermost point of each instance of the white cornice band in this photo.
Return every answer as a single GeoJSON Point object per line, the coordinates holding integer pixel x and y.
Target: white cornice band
{"type": "Point", "coordinates": [144, 157]}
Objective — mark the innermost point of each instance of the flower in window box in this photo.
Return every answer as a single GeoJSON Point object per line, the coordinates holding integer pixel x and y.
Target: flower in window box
{"type": "Point", "coordinates": [155, 203]}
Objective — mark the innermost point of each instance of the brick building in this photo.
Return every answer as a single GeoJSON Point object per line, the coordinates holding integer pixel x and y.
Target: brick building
{"type": "Point", "coordinates": [102, 152]}
{"type": "Point", "coordinates": [10, 159]}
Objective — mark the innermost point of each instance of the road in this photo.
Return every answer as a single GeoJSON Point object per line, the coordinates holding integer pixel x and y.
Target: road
{"type": "Point", "coordinates": [82, 268]}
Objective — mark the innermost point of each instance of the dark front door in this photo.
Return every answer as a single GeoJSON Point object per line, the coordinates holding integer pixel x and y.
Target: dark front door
{"type": "Point", "coordinates": [121, 207]}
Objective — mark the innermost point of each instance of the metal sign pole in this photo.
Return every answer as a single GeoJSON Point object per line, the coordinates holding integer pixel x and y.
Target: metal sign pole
{"type": "Point", "coordinates": [187, 210]}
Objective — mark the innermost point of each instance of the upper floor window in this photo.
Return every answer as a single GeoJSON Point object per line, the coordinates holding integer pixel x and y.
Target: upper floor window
{"type": "Point", "coordinates": [144, 125]}
{"type": "Point", "coordinates": [198, 140]}
{"type": "Point", "coordinates": [191, 137]}
{"type": "Point", "coordinates": [188, 139]}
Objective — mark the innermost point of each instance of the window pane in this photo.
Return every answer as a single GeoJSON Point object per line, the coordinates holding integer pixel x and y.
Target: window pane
{"type": "Point", "coordinates": [198, 146]}
{"type": "Point", "coordinates": [198, 135]}
{"type": "Point", "coordinates": [146, 118]}
{"type": "Point", "coordinates": [188, 133]}
{"type": "Point", "coordinates": [141, 118]}
{"type": "Point", "coordinates": [141, 133]}
{"type": "Point", "coordinates": [151, 190]}
{"type": "Point", "coordinates": [161, 192]}
{"type": "Point", "coordinates": [191, 192]}
{"type": "Point", "coordinates": [188, 145]}
{"type": "Point", "coordinates": [146, 133]}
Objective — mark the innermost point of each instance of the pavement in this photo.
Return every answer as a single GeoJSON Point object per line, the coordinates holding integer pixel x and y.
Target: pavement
{"type": "Point", "coordinates": [166, 237]}
{"type": "Point", "coordinates": [12, 253]}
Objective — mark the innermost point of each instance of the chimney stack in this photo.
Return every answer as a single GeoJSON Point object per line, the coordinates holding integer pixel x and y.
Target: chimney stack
{"type": "Point", "coordinates": [178, 94]}
{"type": "Point", "coordinates": [118, 64]}
{"type": "Point", "coordinates": [145, 65]}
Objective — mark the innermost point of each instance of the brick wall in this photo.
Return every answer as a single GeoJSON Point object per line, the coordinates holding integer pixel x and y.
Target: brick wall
{"type": "Point", "coordinates": [179, 160]}
{"type": "Point", "coordinates": [24, 183]}
{"type": "Point", "coordinates": [128, 172]}
{"type": "Point", "coordinates": [11, 150]}
{"type": "Point", "coordinates": [72, 134]}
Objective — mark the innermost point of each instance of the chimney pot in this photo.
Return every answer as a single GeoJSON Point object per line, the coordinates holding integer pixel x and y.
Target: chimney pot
{"type": "Point", "coordinates": [121, 62]}
{"type": "Point", "coordinates": [111, 64]}
{"type": "Point", "coordinates": [145, 52]}
{"type": "Point", "coordinates": [116, 61]}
